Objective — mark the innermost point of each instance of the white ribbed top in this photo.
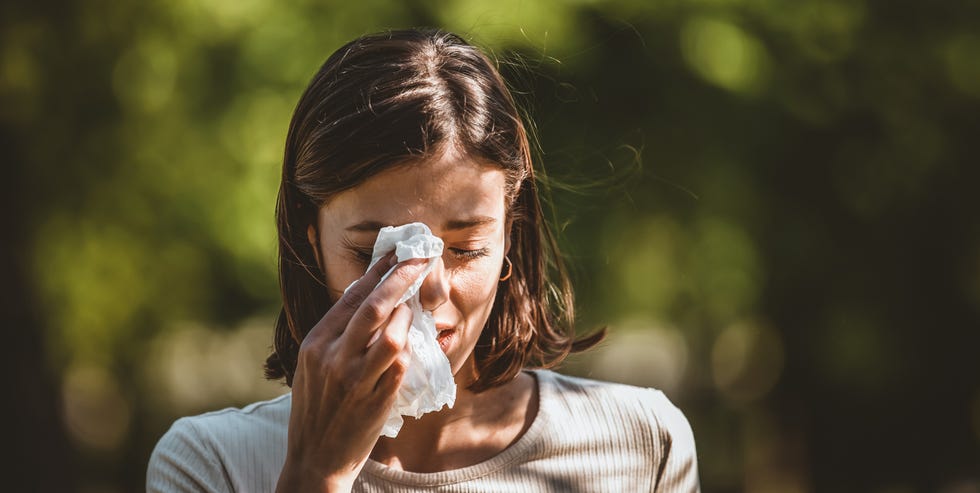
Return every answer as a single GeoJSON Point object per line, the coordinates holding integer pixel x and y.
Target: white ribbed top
{"type": "Point", "coordinates": [586, 436]}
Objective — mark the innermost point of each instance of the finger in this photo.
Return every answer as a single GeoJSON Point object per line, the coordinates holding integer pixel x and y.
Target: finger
{"type": "Point", "coordinates": [379, 304]}
{"type": "Point", "coordinates": [391, 341]}
{"type": "Point", "coordinates": [392, 378]}
{"type": "Point", "coordinates": [335, 320]}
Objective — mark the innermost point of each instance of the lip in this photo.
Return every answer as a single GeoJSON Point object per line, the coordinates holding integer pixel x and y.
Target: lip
{"type": "Point", "coordinates": [445, 336]}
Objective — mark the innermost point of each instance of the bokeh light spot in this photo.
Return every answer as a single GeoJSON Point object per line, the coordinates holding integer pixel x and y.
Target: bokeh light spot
{"type": "Point", "coordinates": [645, 353]}
{"type": "Point", "coordinates": [724, 54]}
{"type": "Point", "coordinates": [95, 412]}
{"type": "Point", "coordinates": [20, 71]}
{"type": "Point", "coordinates": [94, 278]}
{"type": "Point", "coordinates": [192, 366]}
{"type": "Point", "coordinates": [645, 274]}
{"type": "Point", "coordinates": [962, 57]}
{"type": "Point", "coordinates": [747, 360]}
{"type": "Point", "coordinates": [145, 75]}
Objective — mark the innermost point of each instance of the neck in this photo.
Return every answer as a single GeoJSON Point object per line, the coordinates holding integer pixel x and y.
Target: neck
{"type": "Point", "coordinates": [478, 427]}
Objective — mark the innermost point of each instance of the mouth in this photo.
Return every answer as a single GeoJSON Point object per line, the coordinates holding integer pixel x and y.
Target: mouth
{"type": "Point", "coordinates": [445, 337]}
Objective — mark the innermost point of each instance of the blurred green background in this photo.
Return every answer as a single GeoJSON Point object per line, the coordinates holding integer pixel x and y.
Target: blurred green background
{"type": "Point", "coordinates": [772, 204]}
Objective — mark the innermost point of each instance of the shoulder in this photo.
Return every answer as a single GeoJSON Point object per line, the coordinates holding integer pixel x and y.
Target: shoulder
{"type": "Point", "coordinates": [212, 451]}
{"type": "Point", "coordinates": [576, 393]}
{"type": "Point", "coordinates": [253, 417]}
{"type": "Point", "coordinates": [633, 417]}
{"type": "Point", "coordinates": [231, 428]}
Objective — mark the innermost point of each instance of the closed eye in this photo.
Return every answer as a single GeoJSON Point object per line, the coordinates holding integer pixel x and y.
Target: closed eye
{"type": "Point", "coordinates": [470, 254]}
{"type": "Point", "coordinates": [361, 253]}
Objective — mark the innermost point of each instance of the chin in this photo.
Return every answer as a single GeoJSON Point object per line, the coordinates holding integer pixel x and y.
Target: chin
{"type": "Point", "coordinates": [464, 372]}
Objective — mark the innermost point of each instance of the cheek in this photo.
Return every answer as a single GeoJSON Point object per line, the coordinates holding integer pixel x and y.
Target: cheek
{"type": "Point", "coordinates": [474, 290]}
{"type": "Point", "coordinates": [340, 273]}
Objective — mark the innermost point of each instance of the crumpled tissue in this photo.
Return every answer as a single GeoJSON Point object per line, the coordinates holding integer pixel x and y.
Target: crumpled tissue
{"type": "Point", "coordinates": [428, 384]}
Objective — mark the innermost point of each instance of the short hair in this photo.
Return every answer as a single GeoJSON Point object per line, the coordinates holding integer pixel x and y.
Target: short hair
{"type": "Point", "coordinates": [397, 98]}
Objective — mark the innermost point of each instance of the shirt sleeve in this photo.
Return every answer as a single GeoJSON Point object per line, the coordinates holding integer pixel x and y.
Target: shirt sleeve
{"type": "Point", "coordinates": [184, 461]}
{"type": "Point", "coordinates": [678, 470]}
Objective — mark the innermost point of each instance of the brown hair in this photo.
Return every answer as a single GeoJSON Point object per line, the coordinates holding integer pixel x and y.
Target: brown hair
{"type": "Point", "coordinates": [393, 99]}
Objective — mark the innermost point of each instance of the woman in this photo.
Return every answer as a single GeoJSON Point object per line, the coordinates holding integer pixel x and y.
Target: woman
{"type": "Point", "coordinates": [418, 126]}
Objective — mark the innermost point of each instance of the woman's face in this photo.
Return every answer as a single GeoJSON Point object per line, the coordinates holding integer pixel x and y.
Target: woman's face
{"type": "Point", "coordinates": [462, 201]}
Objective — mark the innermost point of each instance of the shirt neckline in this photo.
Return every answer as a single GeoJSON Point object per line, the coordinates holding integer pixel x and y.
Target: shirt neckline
{"type": "Point", "coordinates": [514, 453]}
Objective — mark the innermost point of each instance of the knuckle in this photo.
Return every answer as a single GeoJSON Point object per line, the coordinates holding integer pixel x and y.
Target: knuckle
{"type": "Point", "coordinates": [315, 356]}
{"type": "Point", "coordinates": [390, 343]}
{"type": "Point", "coordinates": [373, 311]}
{"type": "Point", "coordinates": [400, 310]}
{"type": "Point", "coordinates": [306, 350]}
{"type": "Point", "coordinates": [399, 367]}
{"type": "Point", "coordinates": [314, 345]}
{"type": "Point", "coordinates": [353, 298]}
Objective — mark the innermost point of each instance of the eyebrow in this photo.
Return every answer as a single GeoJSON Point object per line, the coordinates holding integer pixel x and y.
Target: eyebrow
{"type": "Point", "coordinates": [367, 226]}
{"type": "Point", "coordinates": [451, 225]}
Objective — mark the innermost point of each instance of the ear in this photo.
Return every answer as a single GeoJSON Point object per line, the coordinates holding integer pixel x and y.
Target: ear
{"type": "Point", "coordinates": [311, 236]}
{"type": "Point", "coordinates": [507, 230]}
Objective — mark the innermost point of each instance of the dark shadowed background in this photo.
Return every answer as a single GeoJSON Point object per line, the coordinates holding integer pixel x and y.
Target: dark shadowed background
{"type": "Point", "coordinates": [772, 204]}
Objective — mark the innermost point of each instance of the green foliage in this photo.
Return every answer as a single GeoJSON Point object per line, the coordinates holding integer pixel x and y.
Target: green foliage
{"type": "Point", "coordinates": [794, 209]}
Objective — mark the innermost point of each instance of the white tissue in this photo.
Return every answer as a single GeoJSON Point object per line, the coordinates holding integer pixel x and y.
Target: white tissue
{"type": "Point", "coordinates": [428, 384]}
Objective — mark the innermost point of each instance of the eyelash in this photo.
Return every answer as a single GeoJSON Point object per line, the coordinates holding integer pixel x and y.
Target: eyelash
{"type": "Point", "coordinates": [362, 255]}
{"type": "Point", "coordinates": [471, 254]}
{"type": "Point", "coordinates": [365, 255]}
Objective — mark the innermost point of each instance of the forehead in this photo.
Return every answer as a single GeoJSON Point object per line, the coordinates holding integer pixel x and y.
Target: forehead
{"type": "Point", "coordinates": [435, 191]}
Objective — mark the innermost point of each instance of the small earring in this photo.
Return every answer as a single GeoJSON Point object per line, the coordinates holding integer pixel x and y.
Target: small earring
{"type": "Point", "coordinates": [510, 269]}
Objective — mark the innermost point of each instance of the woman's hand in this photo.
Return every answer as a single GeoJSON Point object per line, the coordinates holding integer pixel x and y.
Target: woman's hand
{"type": "Point", "coordinates": [347, 376]}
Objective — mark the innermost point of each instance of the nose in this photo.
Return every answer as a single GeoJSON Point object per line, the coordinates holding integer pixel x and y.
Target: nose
{"type": "Point", "coordinates": [435, 288]}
